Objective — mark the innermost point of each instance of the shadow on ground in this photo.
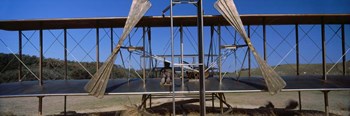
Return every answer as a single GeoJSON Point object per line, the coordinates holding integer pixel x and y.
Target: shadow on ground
{"type": "Point", "coordinates": [185, 107]}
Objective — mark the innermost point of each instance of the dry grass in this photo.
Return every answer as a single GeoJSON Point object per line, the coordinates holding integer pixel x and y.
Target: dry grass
{"type": "Point", "coordinates": [244, 104]}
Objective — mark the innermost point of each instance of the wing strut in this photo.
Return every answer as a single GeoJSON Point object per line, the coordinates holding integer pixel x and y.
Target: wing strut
{"type": "Point", "coordinates": [98, 83]}
{"type": "Point", "coordinates": [228, 9]}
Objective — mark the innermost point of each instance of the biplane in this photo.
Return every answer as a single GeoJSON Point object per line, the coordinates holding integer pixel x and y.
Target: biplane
{"type": "Point", "coordinates": [100, 83]}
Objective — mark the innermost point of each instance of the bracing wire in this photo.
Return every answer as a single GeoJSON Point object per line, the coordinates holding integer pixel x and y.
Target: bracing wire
{"type": "Point", "coordinates": [20, 60]}
{"type": "Point", "coordinates": [79, 62]}
{"type": "Point", "coordinates": [338, 61]}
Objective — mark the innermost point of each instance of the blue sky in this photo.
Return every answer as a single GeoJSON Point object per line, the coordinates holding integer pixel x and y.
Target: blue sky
{"type": "Point", "coordinates": [34, 9]}
{"type": "Point", "coordinates": [46, 9]}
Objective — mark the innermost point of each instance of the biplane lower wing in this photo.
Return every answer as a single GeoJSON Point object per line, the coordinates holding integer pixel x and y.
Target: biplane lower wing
{"type": "Point", "coordinates": [135, 86]}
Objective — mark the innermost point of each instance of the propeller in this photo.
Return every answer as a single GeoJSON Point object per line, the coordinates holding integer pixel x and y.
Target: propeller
{"type": "Point", "coordinates": [98, 83]}
{"type": "Point", "coordinates": [228, 9]}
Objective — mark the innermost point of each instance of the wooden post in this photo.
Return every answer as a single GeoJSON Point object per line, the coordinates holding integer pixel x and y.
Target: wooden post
{"type": "Point", "coordinates": [40, 105]}
{"type": "Point", "coordinates": [41, 58]}
{"type": "Point", "coordinates": [323, 35]}
{"type": "Point", "coordinates": [97, 49]}
{"type": "Point", "coordinates": [20, 55]}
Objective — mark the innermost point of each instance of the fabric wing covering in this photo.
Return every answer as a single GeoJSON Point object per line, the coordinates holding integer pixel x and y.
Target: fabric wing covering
{"type": "Point", "coordinates": [228, 9]}
{"type": "Point", "coordinates": [98, 83]}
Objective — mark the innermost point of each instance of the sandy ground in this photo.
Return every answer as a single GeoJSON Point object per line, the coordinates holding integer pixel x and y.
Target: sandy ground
{"type": "Point", "coordinates": [339, 102]}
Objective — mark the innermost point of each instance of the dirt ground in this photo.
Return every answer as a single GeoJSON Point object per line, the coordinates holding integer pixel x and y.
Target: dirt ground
{"type": "Point", "coordinates": [339, 103]}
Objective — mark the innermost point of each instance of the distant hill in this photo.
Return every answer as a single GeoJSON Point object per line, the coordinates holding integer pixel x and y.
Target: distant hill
{"type": "Point", "coordinates": [304, 69]}
{"type": "Point", "coordinates": [53, 69]}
